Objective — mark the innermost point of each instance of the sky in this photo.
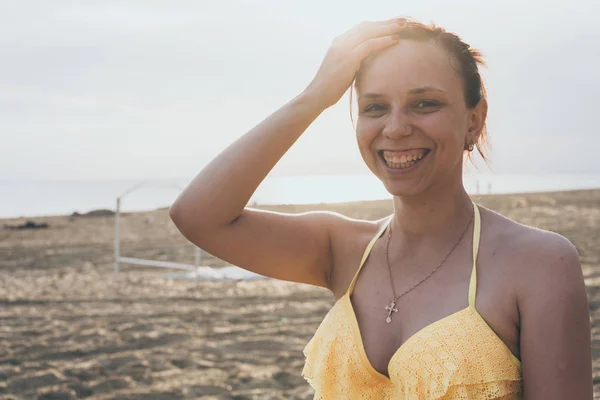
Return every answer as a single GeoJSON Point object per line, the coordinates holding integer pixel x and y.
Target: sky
{"type": "Point", "coordinates": [154, 89]}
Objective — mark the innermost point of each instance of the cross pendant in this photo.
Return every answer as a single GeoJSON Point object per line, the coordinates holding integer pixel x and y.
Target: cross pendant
{"type": "Point", "coordinates": [390, 310]}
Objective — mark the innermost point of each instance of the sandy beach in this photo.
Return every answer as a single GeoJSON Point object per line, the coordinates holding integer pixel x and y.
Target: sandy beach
{"type": "Point", "coordinates": [68, 331]}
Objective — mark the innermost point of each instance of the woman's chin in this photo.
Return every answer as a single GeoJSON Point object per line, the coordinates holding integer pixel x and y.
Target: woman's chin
{"type": "Point", "coordinates": [403, 189]}
{"type": "Point", "coordinates": [404, 186]}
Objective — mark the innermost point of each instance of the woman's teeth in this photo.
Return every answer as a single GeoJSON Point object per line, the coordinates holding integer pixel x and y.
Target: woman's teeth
{"type": "Point", "coordinates": [403, 161]}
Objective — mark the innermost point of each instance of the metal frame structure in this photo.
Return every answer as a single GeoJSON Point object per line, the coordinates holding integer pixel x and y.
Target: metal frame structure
{"type": "Point", "coordinates": [138, 261]}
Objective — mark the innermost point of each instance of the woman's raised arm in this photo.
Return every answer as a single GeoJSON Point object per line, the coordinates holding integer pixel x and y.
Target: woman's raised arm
{"type": "Point", "coordinates": [211, 212]}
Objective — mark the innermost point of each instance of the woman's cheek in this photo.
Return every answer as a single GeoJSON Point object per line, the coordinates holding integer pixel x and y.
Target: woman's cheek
{"type": "Point", "coordinates": [366, 129]}
{"type": "Point", "coordinates": [364, 138]}
{"type": "Point", "coordinates": [434, 119]}
{"type": "Point", "coordinates": [435, 126]}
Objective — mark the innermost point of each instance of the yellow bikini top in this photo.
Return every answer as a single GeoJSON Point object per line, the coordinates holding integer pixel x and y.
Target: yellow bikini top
{"type": "Point", "coordinates": [456, 357]}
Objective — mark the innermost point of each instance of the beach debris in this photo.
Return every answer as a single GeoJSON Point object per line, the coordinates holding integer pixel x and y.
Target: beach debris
{"type": "Point", "coordinates": [205, 273]}
{"type": "Point", "coordinates": [28, 225]}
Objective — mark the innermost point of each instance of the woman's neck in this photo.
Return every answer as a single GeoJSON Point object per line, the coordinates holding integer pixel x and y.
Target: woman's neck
{"type": "Point", "coordinates": [432, 215]}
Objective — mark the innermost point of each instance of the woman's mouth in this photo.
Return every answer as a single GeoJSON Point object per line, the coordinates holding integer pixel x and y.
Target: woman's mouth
{"type": "Point", "coordinates": [402, 160]}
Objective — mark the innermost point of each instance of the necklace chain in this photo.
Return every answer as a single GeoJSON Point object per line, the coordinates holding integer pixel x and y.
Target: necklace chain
{"type": "Point", "coordinates": [391, 308]}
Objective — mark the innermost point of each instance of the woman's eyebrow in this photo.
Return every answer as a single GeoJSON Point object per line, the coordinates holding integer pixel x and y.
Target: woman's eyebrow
{"type": "Point", "coordinates": [418, 90]}
{"type": "Point", "coordinates": [425, 89]}
{"type": "Point", "coordinates": [371, 95]}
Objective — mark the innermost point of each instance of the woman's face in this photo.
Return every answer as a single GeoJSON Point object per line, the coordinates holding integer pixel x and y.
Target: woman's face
{"type": "Point", "coordinates": [412, 113]}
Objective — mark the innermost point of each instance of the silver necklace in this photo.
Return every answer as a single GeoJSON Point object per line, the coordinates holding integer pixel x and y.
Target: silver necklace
{"type": "Point", "coordinates": [391, 308]}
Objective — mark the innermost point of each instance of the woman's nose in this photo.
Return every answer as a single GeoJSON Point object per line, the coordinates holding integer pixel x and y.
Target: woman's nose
{"type": "Point", "coordinates": [397, 125]}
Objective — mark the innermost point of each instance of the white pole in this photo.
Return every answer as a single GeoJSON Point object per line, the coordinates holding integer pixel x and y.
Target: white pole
{"type": "Point", "coordinates": [197, 253]}
{"type": "Point", "coordinates": [117, 241]}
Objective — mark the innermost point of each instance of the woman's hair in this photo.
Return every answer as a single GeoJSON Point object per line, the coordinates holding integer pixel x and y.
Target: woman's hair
{"type": "Point", "coordinates": [468, 59]}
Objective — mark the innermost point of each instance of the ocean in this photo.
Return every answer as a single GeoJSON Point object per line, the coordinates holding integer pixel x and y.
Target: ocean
{"type": "Point", "coordinates": [46, 197]}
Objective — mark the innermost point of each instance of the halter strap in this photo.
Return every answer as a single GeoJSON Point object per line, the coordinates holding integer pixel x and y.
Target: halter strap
{"type": "Point", "coordinates": [367, 252]}
{"type": "Point", "coordinates": [476, 235]}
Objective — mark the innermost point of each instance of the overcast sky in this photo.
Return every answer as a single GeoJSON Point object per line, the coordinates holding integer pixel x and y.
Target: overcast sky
{"type": "Point", "coordinates": [156, 89]}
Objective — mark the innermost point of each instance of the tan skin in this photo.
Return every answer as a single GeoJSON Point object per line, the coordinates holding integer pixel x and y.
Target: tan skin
{"type": "Point", "coordinates": [530, 286]}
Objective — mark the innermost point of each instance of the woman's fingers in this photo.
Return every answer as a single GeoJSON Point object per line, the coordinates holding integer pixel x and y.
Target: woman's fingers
{"type": "Point", "coordinates": [372, 30]}
{"type": "Point", "coordinates": [338, 69]}
{"type": "Point", "coordinates": [368, 30]}
{"type": "Point", "coordinates": [363, 50]}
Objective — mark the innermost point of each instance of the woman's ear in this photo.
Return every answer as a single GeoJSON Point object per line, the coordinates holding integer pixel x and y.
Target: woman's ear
{"type": "Point", "coordinates": [477, 121]}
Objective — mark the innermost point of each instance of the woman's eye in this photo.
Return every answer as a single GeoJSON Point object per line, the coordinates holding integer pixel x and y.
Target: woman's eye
{"type": "Point", "coordinates": [373, 107]}
{"type": "Point", "coordinates": [426, 105]}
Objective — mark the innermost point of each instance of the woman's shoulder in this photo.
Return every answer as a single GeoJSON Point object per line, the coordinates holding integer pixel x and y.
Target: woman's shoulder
{"type": "Point", "coordinates": [526, 251]}
{"type": "Point", "coordinates": [531, 259]}
{"type": "Point", "coordinates": [519, 238]}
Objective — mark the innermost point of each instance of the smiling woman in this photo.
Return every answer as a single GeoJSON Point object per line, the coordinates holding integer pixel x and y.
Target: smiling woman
{"type": "Point", "coordinates": [461, 56]}
{"type": "Point", "coordinates": [507, 315]}
{"type": "Point", "coordinates": [447, 103]}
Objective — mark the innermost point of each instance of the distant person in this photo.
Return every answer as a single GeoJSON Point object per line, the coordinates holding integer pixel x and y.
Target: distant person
{"type": "Point", "coordinates": [443, 299]}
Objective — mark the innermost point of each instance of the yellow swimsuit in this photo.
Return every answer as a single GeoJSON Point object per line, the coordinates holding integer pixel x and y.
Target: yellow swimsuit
{"type": "Point", "coordinates": [456, 357]}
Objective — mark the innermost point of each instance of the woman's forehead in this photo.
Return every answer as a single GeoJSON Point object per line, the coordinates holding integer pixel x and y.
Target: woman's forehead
{"type": "Point", "coordinates": [408, 65]}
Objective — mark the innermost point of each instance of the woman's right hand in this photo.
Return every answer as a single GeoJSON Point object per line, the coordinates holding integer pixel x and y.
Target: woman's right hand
{"type": "Point", "coordinates": [337, 71]}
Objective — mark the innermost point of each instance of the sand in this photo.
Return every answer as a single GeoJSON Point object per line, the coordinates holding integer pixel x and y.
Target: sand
{"type": "Point", "coordinates": [68, 331]}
